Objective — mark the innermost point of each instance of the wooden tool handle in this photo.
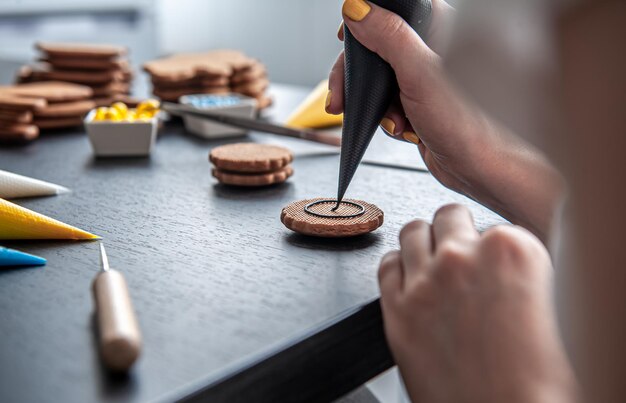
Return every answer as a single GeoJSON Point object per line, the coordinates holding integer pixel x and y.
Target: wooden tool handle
{"type": "Point", "coordinates": [120, 339]}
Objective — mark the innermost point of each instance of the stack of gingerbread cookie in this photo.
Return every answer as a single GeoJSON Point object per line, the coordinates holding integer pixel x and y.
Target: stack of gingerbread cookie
{"type": "Point", "coordinates": [251, 164]}
{"type": "Point", "coordinates": [103, 68]}
{"type": "Point", "coordinates": [25, 109]}
{"type": "Point", "coordinates": [215, 72]}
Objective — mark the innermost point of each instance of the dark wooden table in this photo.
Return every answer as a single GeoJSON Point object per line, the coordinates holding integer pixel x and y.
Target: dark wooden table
{"type": "Point", "coordinates": [232, 305]}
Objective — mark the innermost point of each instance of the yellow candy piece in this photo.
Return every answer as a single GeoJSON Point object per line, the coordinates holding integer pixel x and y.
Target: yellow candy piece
{"type": "Point", "coordinates": [121, 108]}
{"type": "Point", "coordinates": [149, 105]}
{"type": "Point", "coordinates": [146, 115]}
{"type": "Point", "coordinates": [100, 113]}
{"type": "Point", "coordinates": [131, 115]}
{"type": "Point", "coordinates": [112, 114]}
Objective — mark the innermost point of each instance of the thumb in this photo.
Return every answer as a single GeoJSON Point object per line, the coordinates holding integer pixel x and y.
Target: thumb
{"type": "Point", "coordinates": [386, 34]}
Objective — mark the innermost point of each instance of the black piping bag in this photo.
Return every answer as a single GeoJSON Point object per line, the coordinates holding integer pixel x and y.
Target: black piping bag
{"type": "Point", "coordinates": [370, 87]}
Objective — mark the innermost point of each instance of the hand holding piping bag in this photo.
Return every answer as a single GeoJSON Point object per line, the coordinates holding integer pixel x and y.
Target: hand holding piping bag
{"type": "Point", "coordinates": [428, 107]}
{"type": "Point", "coordinates": [461, 146]}
{"type": "Point", "coordinates": [369, 84]}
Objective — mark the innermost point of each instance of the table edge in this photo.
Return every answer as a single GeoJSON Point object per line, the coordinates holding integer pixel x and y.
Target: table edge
{"type": "Point", "coordinates": [344, 352]}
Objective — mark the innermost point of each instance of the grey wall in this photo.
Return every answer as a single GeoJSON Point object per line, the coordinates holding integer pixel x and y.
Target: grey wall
{"type": "Point", "coordinates": [296, 39]}
{"type": "Point", "coordinates": [24, 22]}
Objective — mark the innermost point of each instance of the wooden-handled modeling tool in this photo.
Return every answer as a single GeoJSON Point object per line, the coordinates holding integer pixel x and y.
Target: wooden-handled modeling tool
{"type": "Point", "coordinates": [254, 124]}
{"type": "Point", "coordinates": [119, 336]}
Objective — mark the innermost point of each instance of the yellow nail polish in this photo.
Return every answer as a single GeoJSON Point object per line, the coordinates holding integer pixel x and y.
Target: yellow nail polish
{"type": "Point", "coordinates": [328, 99]}
{"type": "Point", "coordinates": [388, 125]}
{"type": "Point", "coordinates": [411, 137]}
{"type": "Point", "coordinates": [356, 10]}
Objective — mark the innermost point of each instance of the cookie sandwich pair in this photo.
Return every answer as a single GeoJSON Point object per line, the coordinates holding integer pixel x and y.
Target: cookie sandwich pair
{"type": "Point", "coordinates": [251, 164]}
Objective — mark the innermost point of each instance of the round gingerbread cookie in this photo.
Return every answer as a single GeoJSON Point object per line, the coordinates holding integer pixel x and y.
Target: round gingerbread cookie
{"type": "Point", "coordinates": [18, 132]}
{"type": "Point", "coordinates": [65, 109]}
{"type": "Point", "coordinates": [58, 123]}
{"type": "Point", "coordinates": [250, 157]}
{"type": "Point", "coordinates": [253, 179]}
{"type": "Point", "coordinates": [316, 217]}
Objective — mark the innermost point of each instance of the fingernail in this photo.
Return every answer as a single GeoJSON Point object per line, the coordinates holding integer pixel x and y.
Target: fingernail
{"type": "Point", "coordinates": [411, 137]}
{"type": "Point", "coordinates": [356, 10]}
{"type": "Point", "coordinates": [340, 31]}
{"type": "Point", "coordinates": [388, 125]}
{"type": "Point", "coordinates": [328, 98]}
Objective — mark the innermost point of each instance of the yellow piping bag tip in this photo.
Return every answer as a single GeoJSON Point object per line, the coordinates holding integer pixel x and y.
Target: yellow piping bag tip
{"type": "Point", "coordinates": [86, 236]}
{"type": "Point", "coordinates": [17, 222]}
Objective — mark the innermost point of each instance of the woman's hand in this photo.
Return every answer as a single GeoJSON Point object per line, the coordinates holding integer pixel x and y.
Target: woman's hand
{"type": "Point", "coordinates": [428, 106]}
{"type": "Point", "coordinates": [469, 317]}
{"type": "Point", "coordinates": [461, 146]}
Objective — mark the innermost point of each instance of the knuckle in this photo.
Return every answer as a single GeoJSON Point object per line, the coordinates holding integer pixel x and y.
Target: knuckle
{"type": "Point", "coordinates": [451, 209]}
{"type": "Point", "coordinates": [503, 240]}
{"type": "Point", "coordinates": [393, 30]}
{"type": "Point", "coordinates": [514, 248]}
{"type": "Point", "coordinates": [452, 256]}
{"type": "Point", "coordinates": [392, 25]}
{"type": "Point", "coordinates": [411, 227]}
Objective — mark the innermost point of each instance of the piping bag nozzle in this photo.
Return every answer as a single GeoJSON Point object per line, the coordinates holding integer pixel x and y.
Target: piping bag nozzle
{"type": "Point", "coordinates": [370, 87]}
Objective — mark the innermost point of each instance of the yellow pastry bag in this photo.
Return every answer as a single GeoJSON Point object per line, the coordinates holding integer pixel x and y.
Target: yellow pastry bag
{"type": "Point", "coordinates": [17, 222]}
{"type": "Point", "coordinates": [311, 113]}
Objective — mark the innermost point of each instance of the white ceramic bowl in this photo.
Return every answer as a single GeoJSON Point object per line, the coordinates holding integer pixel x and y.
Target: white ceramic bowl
{"type": "Point", "coordinates": [121, 139]}
{"type": "Point", "coordinates": [244, 107]}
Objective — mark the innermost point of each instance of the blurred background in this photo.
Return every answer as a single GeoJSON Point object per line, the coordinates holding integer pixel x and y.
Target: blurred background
{"type": "Point", "coordinates": [296, 40]}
